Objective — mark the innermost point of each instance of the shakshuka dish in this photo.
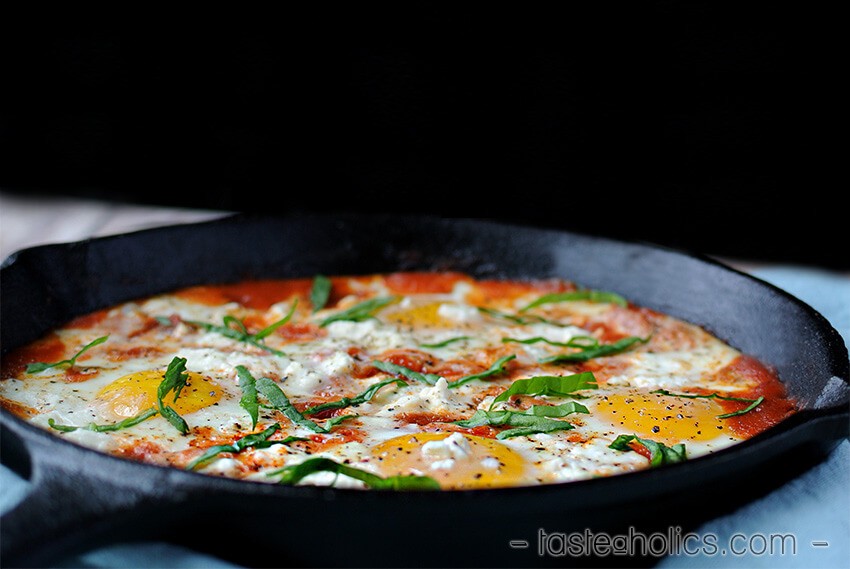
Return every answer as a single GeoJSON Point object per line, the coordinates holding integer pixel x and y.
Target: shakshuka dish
{"type": "Point", "coordinates": [398, 381]}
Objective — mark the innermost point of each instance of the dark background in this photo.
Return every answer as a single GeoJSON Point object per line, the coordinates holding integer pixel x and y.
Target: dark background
{"type": "Point", "coordinates": [701, 127]}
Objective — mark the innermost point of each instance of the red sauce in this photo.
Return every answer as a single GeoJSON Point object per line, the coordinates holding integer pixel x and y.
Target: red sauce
{"type": "Point", "coordinates": [88, 321]}
{"type": "Point", "coordinates": [257, 294]}
{"type": "Point", "coordinates": [641, 450]}
{"type": "Point", "coordinates": [142, 451]}
{"type": "Point", "coordinates": [484, 431]}
{"type": "Point", "coordinates": [205, 436]}
{"type": "Point", "coordinates": [341, 434]}
{"type": "Point", "coordinates": [121, 354]}
{"type": "Point", "coordinates": [301, 332]}
{"type": "Point", "coordinates": [18, 409]}
{"type": "Point", "coordinates": [775, 407]}
{"type": "Point", "coordinates": [46, 350]}
{"type": "Point", "coordinates": [423, 282]}
{"type": "Point", "coordinates": [497, 290]}
{"type": "Point", "coordinates": [422, 418]}
{"type": "Point", "coordinates": [74, 374]}
{"type": "Point", "coordinates": [409, 358]}
{"type": "Point", "coordinates": [147, 325]}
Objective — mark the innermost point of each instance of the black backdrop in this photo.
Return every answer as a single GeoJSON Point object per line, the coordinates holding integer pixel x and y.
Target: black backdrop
{"type": "Point", "coordinates": [695, 126]}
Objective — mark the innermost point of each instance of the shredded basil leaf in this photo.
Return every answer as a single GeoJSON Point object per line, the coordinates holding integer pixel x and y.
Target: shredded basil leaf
{"type": "Point", "coordinates": [524, 423]}
{"type": "Point", "coordinates": [256, 440]}
{"type": "Point", "coordinates": [265, 332]}
{"type": "Point", "coordinates": [749, 408]}
{"type": "Point", "coordinates": [659, 452]}
{"type": "Point", "coordinates": [597, 351]}
{"type": "Point", "coordinates": [248, 401]}
{"type": "Point", "coordinates": [128, 422]}
{"type": "Point", "coordinates": [235, 329]}
{"type": "Point", "coordinates": [280, 401]}
{"type": "Point", "coordinates": [522, 320]}
{"type": "Point", "coordinates": [395, 369]}
{"type": "Point", "coordinates": [320, 292]}
{"type": "Point", "coordinates": [41, 366]}
{"type": "Point", "coordinates": [557, 410]}
{"type": "Point", "coordinates": [174, 379]}
{"type": "Point", "coordinates": [497, 367]}
{"type": "Point", "coordinates": [293, 474]}
{"type": "Point", "coordinates": [588, 295]}
{"type": "Point", "coordinates": [753, 402]}
{"type": "Point", "coordinates": [550, 385]}
{"type": "Point", "coordinates": [445, 343]}
{"type": "Point", "coordinates": [582, 342]}
{"type": "Point", "coordinates": [358, 399]}
{"type": "Point", "coordinates": [334, 421]}
{"type": "Point", "coordinates": [359, 312]}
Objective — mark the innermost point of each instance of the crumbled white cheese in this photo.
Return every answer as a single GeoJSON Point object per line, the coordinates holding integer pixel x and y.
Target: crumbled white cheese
{"type": "Point", "coordinates": [459, 312]}
{"type": "Point", "coordinates": [370, 334]}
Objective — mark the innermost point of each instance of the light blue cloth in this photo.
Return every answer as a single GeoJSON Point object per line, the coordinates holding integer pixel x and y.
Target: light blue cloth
{"type": "Point", "coordinates": [814, 507]}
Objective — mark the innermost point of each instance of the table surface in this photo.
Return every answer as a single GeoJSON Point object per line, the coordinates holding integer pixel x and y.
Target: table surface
{"type": "Point", "coordinates": [814, 508]}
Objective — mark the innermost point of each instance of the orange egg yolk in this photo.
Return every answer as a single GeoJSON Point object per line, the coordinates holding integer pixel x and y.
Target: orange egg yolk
{"type": "Point", "coordinates": [131, 394]}
{"type": "Point", "coordinates": [663, 418]}
{"type": "Point", "coordinates": [421, 315]}
{"type": "Point", "coordinates": [455, 460]}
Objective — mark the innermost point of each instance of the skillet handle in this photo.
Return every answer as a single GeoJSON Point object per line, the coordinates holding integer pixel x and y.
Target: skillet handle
{"type": "Point", "coordinates": [79, 499]}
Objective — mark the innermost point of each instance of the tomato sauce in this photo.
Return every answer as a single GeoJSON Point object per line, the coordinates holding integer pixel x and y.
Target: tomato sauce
{"type": "Point", "coordinates": [257, 294]}
{"type": "Point", "coordinates": [46, 350]}
{"type": "Point", "coordinates": [775, 407]}
{"type": "Point", "coordinates": [423, 283]}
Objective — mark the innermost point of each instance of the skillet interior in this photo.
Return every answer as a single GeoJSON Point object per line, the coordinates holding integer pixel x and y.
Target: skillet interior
{"type": "Point", "coordinates": [90, 497]}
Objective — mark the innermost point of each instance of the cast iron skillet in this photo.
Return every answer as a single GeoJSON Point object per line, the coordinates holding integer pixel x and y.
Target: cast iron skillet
{"type": "Point", "coordinates": [82, 499]}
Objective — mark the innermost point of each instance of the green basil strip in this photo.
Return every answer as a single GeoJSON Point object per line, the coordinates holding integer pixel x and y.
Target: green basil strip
{"type": "Point", "coordinates": [557, 410]}
{"type": "Point", "coordinates": [659, 453]}
{"type": "Point", "coordinates": [280, 401]}
{"type": "Point", "coordinates": [753, 402]}
{"type": "Point", "coordinates": [599, 351]}
{"type": "Point", "coordinates": [582, 342]}
{"type": "Point", "coordinates": [248, 401]}
{"type": "Point", "coordinates": [362, 311]}
{"type": "Point", "coordinates": [353, 401]}
{"type": "Point", "coordinates": [293, 474]}
{"type": "Point", "coordinates": [256, 440]}
{"type": "Point", "coordinates": [334, 421]}
{"type": "Point", "coordinates": [524, 423]}
{"type": "Point", "coordinates": [129, 422]}
{"type": "Point", "coordinates": [522, 320]}
{"type": "Point", "coordinates": [445, 343]}
{"type": "Point", "coordinates": [320, 292]}
{"type": "Point", "coordinates": [395, 369]}
{"type": "Point", "coordinates": [752, 406]}
{"type": "Point", "coordinates": [174, 379]}
{"type": "Point", "coordinates": [550, 385]}
{"type": "Point", "coordinates": [41, 366]}
{"type": "Point", "coordinates": [588, 295]}
{"type": "Point", "coordinates": [497, 367]}
{"type": "Point", "coordinates": [175, 419]}
{"type": "Point", "coordinates": [234, 329]}
{"type": "Point", "coordinates": [262, 334]}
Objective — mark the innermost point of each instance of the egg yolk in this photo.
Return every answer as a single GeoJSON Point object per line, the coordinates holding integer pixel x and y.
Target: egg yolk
{"type": "Point", "coordinates": [131, 394]}
{"type": "Point", "coordinates": [455, 460]}
{"type": "Point", "coordinates": [420, 315]}
{"type": "Point", "coordinates": [663, 418]}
